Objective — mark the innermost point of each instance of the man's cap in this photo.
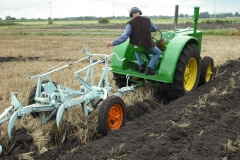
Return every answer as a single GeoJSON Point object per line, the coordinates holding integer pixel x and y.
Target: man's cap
{"type": "Point", "coordinates": [134, 10]}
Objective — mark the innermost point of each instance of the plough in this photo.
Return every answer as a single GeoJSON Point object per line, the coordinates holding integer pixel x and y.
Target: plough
{"type": "Point", "coordinates": [51, 100]}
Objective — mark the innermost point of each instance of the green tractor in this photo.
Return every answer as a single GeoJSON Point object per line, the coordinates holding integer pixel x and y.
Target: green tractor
{"type": "Point", "coordinates": [180, 67]}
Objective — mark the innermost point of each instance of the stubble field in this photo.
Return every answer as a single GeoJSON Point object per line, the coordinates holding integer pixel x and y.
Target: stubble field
{"type": "Point", "coordinates": [202, 125]}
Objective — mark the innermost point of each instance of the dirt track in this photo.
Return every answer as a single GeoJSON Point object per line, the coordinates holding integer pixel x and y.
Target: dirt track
{"type": "Point", "coordinates": [202, 125]}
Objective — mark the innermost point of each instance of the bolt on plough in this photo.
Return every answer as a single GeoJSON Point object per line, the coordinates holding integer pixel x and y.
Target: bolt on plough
{"type": "Point", "coordinates": [50, 100]}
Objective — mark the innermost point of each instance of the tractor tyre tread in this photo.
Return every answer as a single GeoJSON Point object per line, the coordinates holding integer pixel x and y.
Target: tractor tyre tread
{"type": "Point", "coordinates": [204, 65]}
{"type": "Point", "coordinates": [176, 89]}
{"type": "Point", "coordinates": [119, 81]}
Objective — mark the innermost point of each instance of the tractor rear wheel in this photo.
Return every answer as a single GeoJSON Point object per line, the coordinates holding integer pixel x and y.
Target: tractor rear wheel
{"type": "Point", "coordinates": [207, 66]}
{"type": "Point", "coordinates": [112, 115]}
{"type": "Point", "coordinates": [187, 72]}
{"type": "Point", "coordinates": [119, 81]}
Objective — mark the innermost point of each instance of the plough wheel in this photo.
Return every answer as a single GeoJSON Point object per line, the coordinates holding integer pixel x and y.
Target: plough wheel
{"type": "Point", "coordinates": [112, 115]}
{"type": "Point", "coordinates": [32, 101]}
{"type": "Point", "coordinates": [207, 66]}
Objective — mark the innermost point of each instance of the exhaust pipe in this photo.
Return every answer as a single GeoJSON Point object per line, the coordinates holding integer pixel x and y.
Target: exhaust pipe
{"type": "Point", "coordinates": [196, 15]}
{"type": "Point", "coordinates": [175, 27]}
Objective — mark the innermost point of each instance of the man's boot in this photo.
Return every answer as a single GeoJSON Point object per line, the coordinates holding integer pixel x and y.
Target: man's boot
{"type": "Point", "coordinates": [149, 71]}
{"type": "Point", "coordinates": [141, 68]}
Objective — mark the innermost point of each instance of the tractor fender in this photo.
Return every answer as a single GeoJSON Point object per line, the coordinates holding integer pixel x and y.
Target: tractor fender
{"type": "Point", "coordinates": [171, 55]}
{"type": "Point", "coordinates": [122, 51]}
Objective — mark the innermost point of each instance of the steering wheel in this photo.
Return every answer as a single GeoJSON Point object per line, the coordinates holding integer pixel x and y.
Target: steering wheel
{"type": "Point", "coordinates": [156, 37]}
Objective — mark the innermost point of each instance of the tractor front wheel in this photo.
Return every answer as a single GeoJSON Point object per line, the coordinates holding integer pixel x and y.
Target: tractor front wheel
{"type": "Point", "coordinates": [207, 66]}
{"type": "Point", "coordinates": [187, 72]}
{"type": "Point", "coordinates": [112, 115]}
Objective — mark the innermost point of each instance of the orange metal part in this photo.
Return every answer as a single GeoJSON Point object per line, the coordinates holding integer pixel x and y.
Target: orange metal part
{"type": "Point", "coordinates": [115, 117]}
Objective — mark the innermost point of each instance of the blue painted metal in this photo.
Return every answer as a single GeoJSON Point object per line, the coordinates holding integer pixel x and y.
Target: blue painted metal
{"type": "Point", "coordinates": [56, 98]}
{"type": "Point", "coordinates": [60, 114]}
{"type": "Point", "coordinates": [11, 123]}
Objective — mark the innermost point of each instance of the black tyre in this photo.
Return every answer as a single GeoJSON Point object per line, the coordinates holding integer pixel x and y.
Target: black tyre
{"type": "Point", "coordinates": [207, 66]}
{"type": "Point", "coordinates": [32, 96]}
{"type": "Point", "coordinates": [112, 115]}
{"type": "Point", "coordinates": [119, 81]}
{"type": "Point", "coordinates": [187, 73]}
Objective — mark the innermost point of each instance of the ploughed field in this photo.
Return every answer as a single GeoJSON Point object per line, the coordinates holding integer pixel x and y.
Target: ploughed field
{"type": "Point", "coordinates": [202, 125]}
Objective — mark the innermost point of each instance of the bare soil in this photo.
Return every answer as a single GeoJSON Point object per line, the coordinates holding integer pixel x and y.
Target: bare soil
{"type": "Point", "coordinates": [202, 125]}
{"type": "Point", "coordinates": [24, 59]}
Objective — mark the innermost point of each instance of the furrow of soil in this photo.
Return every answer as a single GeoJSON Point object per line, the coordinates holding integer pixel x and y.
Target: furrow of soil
{"type": "Point", "coordinates": [23, 59]}
{"type": "Point", "coordinates": [201, 125]}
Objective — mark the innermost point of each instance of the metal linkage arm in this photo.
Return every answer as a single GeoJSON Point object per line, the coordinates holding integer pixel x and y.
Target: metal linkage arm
{"type": "Point", "coordinates": [57, 69]}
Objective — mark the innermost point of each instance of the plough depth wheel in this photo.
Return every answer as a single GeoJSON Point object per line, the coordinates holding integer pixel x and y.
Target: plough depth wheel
{"type": "Point", "coordinates": [32, 101]}
{"type": "Point", "coordinates": [112, 115]}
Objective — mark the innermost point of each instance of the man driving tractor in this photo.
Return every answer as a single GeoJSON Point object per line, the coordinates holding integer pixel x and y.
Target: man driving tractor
{"type": "Point", "coordinates": [139, 31]}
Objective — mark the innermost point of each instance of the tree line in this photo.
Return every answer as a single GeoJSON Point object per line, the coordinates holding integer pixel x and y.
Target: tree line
{"type": "Point", "coordinates": [201, 15]}
{"type": "Point", "coordinates": [219, 15]}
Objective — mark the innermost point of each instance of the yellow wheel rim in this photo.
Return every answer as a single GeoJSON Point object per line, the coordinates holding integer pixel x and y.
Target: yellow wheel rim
{"type": "Point", "coordinates": [209, 72]}
{"type": "Point", "coordinates": [190, 74]}
{"type": "Point", "coordinates": [115, 117]}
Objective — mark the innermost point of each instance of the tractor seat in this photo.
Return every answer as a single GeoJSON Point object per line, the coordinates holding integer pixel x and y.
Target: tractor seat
{"type": "Point", "coordinates": [140, 49]}
{"type": "Point", "coordinates": [143, 50]}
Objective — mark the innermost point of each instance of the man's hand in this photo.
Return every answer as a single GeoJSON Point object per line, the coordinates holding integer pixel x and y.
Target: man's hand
{"type": "Point", "coordinates": [109, 44]}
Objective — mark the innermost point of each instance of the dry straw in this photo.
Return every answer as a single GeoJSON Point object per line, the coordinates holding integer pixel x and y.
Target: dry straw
{"type": "Point", "coordinates": [50, 51]}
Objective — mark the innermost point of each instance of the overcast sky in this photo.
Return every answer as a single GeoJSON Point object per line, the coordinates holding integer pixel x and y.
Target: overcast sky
{"type": "Point", "coordinates": [106, 8]}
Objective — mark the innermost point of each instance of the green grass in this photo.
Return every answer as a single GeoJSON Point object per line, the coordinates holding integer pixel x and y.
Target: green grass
{"type": "Point", "coordinates": [60, 32]}
{"type": "Point", "coordinates": [5, 23]}
{"type": "Point", "coordinates": [96, 32]}
{"type": "Point", "coordinates": [223, 32]}
{"type": "Point", "coordinates": [62, 23]}
{"type": "Point", "coordinates": [115, 21]}
{"type": "Point", "coordinates": [184, 20]}
{"type": "Point", "coordinates": [74, 28]}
